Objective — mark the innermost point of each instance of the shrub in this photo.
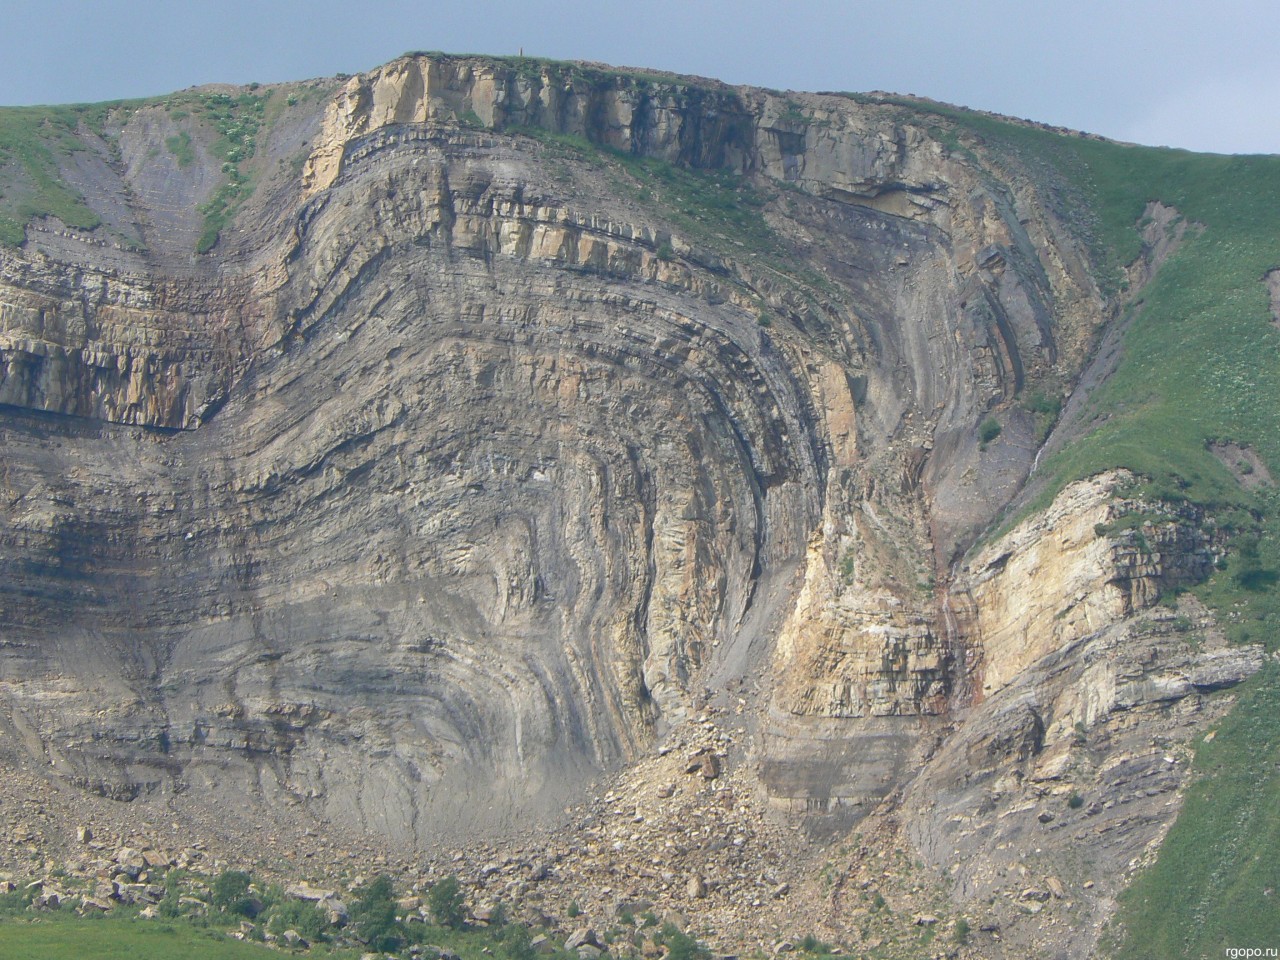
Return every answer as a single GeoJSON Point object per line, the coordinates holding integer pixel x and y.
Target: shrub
{"type": "Point", "coordinates": [374, 915]}
{"type": "Point", "coordinates": [517, 944]}
{"type": "Point", "coordinates": [681, 946]}
{"type": "Point", "coordinates": [989, 430]}
{"type": "Point", "coordinates": [811, 944]}
{"type": "Point", "coordinates": [446, 903]}
{"type": "Point", "coordinates": [230, 893]}
{"type": "Point", "coordinates": [307, 918]}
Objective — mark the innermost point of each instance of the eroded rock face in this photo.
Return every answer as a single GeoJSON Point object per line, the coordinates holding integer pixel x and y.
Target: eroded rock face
{"type": "Point", "coordinates": [1067, 774]}
{"type": "Point", "coordinates": [463, 470]}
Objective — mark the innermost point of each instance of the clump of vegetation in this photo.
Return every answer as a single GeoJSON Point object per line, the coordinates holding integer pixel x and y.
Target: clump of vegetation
{"type": "Point", "coordinates": [813, 946]}
{"type": "Point", "coordinates": [180, 146]}
{"type": "Point", "coordinates": [715, 205]}
{"type": "Point", "coordinates": [306, 918]}
{"type": "Point", "coordinates": [237, 121]}
{"type": "Point", "coordinates": [1044, 407]}
{"type": "Point", "coordinates": [374, 915]}
{"type": "Point", "coordinates": [988, 430]}
{"type": "Point", "coordinates": [230, 894]}
{"type": "Point", "coordinates": [680, 945]}
{"type": "Point", "coordinates": [447, 903]}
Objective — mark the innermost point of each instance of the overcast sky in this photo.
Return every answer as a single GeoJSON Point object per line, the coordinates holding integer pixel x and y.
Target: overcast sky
{"type": "Point", "coordinates": [1189, 73]}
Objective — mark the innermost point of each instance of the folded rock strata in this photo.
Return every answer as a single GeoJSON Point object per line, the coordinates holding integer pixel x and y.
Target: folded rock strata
{"type": "Point", "coordinates": [466, 465]}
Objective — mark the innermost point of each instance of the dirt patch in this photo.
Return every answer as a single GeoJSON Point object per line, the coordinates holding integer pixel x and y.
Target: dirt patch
{"type": "Point", "coordinates": [1163, 229]}
{"type": "Point", "coordinates": [1245, 465]}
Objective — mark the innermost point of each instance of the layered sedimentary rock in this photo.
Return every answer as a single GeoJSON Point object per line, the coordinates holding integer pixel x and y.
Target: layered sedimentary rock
{"type": "Point", "coordinates": [1066, 774]}
{"type": "Point", "coordinates": [470, 460]}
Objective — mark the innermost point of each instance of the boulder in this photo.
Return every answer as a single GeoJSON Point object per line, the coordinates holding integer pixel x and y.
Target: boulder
{"type": "Point", "coordinates": [583, 936]}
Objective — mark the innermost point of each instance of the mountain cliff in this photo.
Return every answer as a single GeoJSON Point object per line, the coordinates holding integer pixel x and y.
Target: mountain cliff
{"type": "Point", "coordinates": [453, 453]}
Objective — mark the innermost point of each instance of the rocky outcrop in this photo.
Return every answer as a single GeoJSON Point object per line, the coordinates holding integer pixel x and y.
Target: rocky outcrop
{"type": "Point", "coordinates": [1092, 692]}
{"type": "Point", "coordinates": [1093, 559]}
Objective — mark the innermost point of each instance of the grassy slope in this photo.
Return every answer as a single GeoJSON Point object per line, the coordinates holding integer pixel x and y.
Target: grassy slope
{"type": "Point", "coordinates": [1199, 363]}
{"type": "Point", "coordinates": [30, 140]}
{"type": "Point", "coordinates": [70, 938]}
{"type": "Point", "coordinates": [34, 139]}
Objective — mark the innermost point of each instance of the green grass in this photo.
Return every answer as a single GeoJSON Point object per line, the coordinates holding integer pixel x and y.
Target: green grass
{"type": "Point", "coordinates": [66, 937]}
{"type": "Point", "coordinates": [33, 140]}
{"type": "Point", "coordinates": [1197, 358]}
{"type": "Point", "coordinates": [180, 146]}
{"type": "Point", "coordinates": [238, 121]}
{"type": "Point", "coordinates": [1197, 361]}
{"type": "Point", "coordinates": [714, 209]}
{"type": "Point", "coordinates": [715, 206]}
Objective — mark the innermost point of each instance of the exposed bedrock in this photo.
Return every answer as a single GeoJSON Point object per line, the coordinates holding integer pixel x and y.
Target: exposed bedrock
{"type": "Point", "coordinates": [458, 471]}
{"type": "Point", "coordinates": [1063, 777]}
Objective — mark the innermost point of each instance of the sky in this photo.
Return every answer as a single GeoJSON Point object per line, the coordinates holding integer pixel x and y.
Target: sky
{"type": "Point", "coordinates": [1185, 73]}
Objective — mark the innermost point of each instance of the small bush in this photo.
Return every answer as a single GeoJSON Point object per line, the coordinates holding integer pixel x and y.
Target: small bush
{"type": "Point", "coordinates": [374, 915]}
{"type": "Point", "coordinates": [180, 146]}
{"type": "Point", "coordinates": [681, 946]}
{"type": "Point", "coordinates": [1075, 801]}
{"type": "Point", "coordinates": [306, 918]}
{"type": "Point", "coordinates": [517, 944]}
{"type": "Point", "coordinates": [446, 903]}
{"type": "Point", "coordinates": [989, 430]}
{"type": "Point", "coordinates": [811, 944]}
{"type": "Point", "coordinates": [230, 893]}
